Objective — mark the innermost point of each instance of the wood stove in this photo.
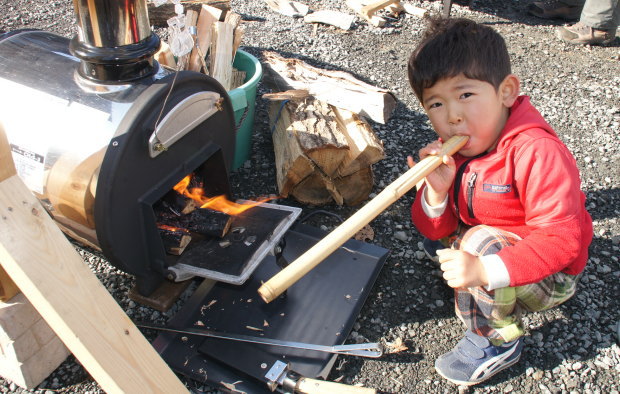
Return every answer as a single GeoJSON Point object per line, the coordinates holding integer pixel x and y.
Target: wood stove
{"type": "Point", "coordinates": [99, 132]}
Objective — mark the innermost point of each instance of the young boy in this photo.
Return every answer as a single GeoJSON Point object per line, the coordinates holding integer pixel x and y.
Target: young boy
{"type": "Point", "coordinates": [508, 204]}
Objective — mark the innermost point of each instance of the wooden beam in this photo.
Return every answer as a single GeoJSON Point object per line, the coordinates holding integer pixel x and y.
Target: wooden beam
{"type": "Point", "coordinates": [55, 279]}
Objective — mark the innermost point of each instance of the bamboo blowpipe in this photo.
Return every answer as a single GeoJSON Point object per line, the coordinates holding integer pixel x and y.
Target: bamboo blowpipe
{"type": "Point", "coordinates": [311, 258]}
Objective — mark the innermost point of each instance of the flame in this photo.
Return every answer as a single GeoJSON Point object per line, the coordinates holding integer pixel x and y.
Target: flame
{"type": "Point", "coordinates": [217, 203]}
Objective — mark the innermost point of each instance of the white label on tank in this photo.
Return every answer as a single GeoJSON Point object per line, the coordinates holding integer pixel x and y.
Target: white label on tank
{"type": "Point", "coordinates": [30, 167]}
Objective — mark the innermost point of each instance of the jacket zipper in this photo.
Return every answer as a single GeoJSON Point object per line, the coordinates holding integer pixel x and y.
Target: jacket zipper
{"type": "Point", "coordinates": [458, 179]}
{"type": "Point", "coordinates": [471, 185]}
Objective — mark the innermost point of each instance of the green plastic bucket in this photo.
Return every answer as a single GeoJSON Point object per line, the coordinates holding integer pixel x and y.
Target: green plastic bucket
{"type": "Point", "coordinates": [243, 101]}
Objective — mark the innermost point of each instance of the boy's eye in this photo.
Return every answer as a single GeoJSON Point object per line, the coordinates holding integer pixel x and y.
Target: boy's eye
{"type": "Point", "coordinates": [434, 105]}
{"type": "Point", "coordinates": [465, 95]}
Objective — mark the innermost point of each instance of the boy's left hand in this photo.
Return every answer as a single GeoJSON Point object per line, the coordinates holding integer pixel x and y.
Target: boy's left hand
{"type": "Point", "coordinates": [462, 269]}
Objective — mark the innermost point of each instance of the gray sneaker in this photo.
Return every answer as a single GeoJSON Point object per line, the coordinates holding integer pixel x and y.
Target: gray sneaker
{"type": "Point", "coordinates": [475, 359]}
{"type": "Point", "coordinates": [554, 9]}
{"type": "Point", "coordinates": [580, 34]}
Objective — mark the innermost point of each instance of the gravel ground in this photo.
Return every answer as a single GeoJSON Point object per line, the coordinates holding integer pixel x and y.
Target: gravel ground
{"type": "Point", "coordinates": [570, 349]}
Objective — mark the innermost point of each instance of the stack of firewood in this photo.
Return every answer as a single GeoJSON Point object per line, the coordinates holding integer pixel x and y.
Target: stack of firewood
{"type": "Point", "coordinates": [218, 36]}
{"type": "Point", "coordinates": [324, 148]}
{"type": "Point", "coordinates": [365, 9]}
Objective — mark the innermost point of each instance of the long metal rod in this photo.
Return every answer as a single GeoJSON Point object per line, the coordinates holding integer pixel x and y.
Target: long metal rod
{"type": "Point", "coordinates": [371, 350]}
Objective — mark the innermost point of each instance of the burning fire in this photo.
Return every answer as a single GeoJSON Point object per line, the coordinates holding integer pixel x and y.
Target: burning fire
{"type": "Point", "coordinates": [172, 229]}
{"type": "Point", "coordinates": [218, 203]}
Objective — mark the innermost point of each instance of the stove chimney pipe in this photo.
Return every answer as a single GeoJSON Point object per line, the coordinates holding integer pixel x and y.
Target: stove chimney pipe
{"type": "Point", "coordinates": [114, 41]}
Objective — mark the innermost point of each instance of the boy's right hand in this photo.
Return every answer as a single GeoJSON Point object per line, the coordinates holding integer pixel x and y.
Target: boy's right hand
{"type": "Point", "coordinates": [439, 181]}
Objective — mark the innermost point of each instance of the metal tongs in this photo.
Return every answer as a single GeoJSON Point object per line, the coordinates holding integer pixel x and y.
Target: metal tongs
{"type": "Point", "coordinates": [371, 350]}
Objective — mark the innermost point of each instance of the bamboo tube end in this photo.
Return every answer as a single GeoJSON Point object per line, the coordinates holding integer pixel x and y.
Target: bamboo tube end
{"type": "Point", "coordinates": [267, 293]}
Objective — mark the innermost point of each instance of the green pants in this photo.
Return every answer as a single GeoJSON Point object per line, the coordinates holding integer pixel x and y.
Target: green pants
{"type": "Point", "coordinates": [599, 14]}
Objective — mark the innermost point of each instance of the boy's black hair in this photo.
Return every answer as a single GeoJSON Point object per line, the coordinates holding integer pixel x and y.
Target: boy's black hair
{"type": "Point", "coordinates": [450, 47]}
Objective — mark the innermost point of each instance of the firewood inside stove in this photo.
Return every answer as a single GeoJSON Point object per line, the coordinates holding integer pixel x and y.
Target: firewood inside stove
{"type": "Point", "coordinates": [179, 204]}
{"type": "Point", "coordinates": [175, 239]}
{"type": "Point", "coordinates": [209, 222]}
{"type": "Point", "coordinates": [202, 221]}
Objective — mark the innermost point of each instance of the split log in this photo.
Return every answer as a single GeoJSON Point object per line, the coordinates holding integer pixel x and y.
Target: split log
{"type": "Point", "coordinates": [70, 187]}
{"type": "Point", "coordinates": [288, 8]}
{"type": "Point", "coordinates": [175, 240]}
{"type": "Point", "coordinates": [329, 17]}
{"type": "Point", "coordinates": [165, 57]}
{"type": "Point", "coordinates": [204, 32]}
{"type": "Point", "coordinates": [365, 148]}
{"type": "Point", "coordinates": [314, 129]}
{"type": "Point", "coordinates": [203, 221]}
{"type": "Point", "coordinates": [337, 88]}
{"type": "Point", "coordinates": [179, 204]}
{"type": "Point", "coordinates": [159, 16]}
{"type": "Point", "coordinates": [208, 222]}
{"type": "Point", "coordinates": [294, 94]}
{"type": "Point", "coordinates": [221, 58]}
{"type": "Point", "coordinates": [310, 146]}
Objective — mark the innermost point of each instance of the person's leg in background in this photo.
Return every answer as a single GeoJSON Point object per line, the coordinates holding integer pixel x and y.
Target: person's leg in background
{"type": "Point", "coordinates": [569, 10]}
{"type": "Point", "coordinates": [597, 25]}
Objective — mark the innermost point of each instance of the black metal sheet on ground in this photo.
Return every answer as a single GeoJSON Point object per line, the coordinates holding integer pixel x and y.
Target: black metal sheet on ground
{"type": "Point", "coordinates": [231, 260]}
{"type": "Point", "coordinates": [320, 308]}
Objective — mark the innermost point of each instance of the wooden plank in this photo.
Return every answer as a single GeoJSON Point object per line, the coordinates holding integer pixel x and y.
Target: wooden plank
{"type": "Point", "coordinates": [7, 167]}
{"type": "Point", "coordinates": [329, 17]}
{"type": "Point", "coordinates": [358, 7]}
{"type": "Point", "coordinates": [204, 33]}
{"type": "Point", "coordinates": [52, 275]}
{"type": "Point", "coordinates": [288, 8]}
{"type": "Point", "coordinates": [8, 288]}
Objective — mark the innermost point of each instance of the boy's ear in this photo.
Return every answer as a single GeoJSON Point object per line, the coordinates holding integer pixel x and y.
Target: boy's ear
{"type": "Point", "coordinates": [509, 90]}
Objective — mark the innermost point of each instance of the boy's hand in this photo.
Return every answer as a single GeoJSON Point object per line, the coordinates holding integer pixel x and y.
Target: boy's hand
{"type": "Point", "coordinates": [462, 269]}
{"type": "Point", "coordinates": [439, 181]}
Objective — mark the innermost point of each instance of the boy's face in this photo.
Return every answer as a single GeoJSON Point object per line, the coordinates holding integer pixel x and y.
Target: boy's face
{"type": "Point", "coordinates": [470, 107]}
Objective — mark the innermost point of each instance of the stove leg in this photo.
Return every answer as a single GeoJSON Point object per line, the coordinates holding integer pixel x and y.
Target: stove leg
{"type": "Point", "coordinates": [147, 284]}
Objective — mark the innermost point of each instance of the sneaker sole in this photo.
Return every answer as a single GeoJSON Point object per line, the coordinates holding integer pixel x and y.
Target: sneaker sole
{"type": "Point", "coordinates": [471, 383]}
{"type": "Point", "coordinates": [578, 41]}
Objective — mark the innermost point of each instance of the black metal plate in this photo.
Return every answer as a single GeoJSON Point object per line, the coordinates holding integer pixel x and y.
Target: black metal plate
{"type": "Point", "coordinates": [258, 222]}
{"type": "Point", "coordinates": [320, 308]}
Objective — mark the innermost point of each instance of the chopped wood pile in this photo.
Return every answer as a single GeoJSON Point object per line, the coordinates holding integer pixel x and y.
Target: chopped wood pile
{"type": "Point", "coordinates": [365, 9]}
{"type": "Point", "coordinates": [218, 35]}
{"type": "Point", "coordinates": [324, 148]}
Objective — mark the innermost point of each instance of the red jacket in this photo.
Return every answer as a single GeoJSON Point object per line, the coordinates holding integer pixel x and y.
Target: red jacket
{"type": "Point", "coordinates": [528, 185]}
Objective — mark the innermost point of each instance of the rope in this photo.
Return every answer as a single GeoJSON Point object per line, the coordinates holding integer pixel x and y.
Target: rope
{"type": "Point", "coordinates": [273, 128]}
